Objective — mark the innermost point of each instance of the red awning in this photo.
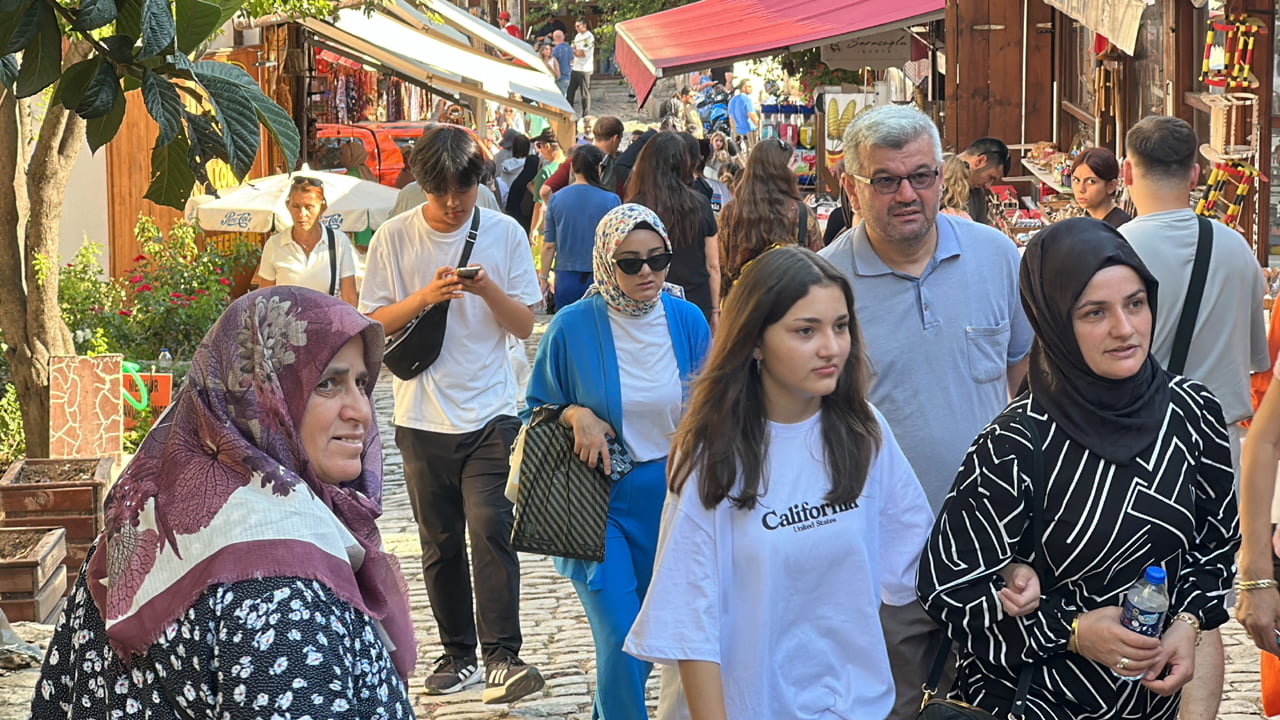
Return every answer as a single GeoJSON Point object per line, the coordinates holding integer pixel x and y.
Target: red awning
{"type": "Point", "coordinates": [713, 32]}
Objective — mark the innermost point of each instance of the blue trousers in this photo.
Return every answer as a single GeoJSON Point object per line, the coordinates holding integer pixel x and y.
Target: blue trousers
{"type": "Point", "coordinates": [620, 582]}
{"type": "Point", "coordinates": [571, 285]}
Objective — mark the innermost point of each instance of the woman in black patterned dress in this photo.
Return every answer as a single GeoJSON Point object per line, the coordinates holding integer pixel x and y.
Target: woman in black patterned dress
{"type": "Point", "coordinates": [240, 573]}
{"type": "Point", "coordinates": [1139, 474]}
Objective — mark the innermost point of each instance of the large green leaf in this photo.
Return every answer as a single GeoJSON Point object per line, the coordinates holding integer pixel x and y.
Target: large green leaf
{"type": "Point", "coordinates": [281, 126]}
{"type": "Point", "coordinates": [173, 177]}
{"type": "Point", "coordinates": [101, 93]}
{"type": "Point", "coordinates": [20, 27]}
{"type": "Point", "coordinates": [228, 8]}
{"type": "Point", "coordinates": [75, 79]}
{"type": "Point", "coordinates": [157, 27]}
{"type": "Point", "coordinates": [129, 18]}
{"type": "Point", "coordinates": [206, 143]}
{"type": "Point", "coordinates": [119, 47]}
{"type": "Point", "coordinates": [42, 58]}
{"type": "Point", "coordinates": [93, 14]}
{"type": "Point", "coordinates": [8, 70]}
{"type": "Point", "coordinates": [100, 130]}
{"type": "Point", "coordinates": [163, 103]}
{"type": "Point", "coordinates": [197, 20]}
{"type": "Point", "coordinates": [232, 92]}
{"type": "Point", "coordinates": [10, 16]}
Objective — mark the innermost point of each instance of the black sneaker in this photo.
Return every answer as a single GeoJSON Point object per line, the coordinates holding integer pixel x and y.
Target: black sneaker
{"type": "Point", "coordinates": [453, 674]}
{"type": "Point", "coordinates": [509, 679]}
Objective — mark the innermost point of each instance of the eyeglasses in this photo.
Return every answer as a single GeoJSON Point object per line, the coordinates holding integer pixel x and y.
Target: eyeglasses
{"type": "Point", "coordinates": [889, 184]}
{"type": "Point", "coordinates": [308, 181]}
{"type": "Point", "coordinates": [632, 265]}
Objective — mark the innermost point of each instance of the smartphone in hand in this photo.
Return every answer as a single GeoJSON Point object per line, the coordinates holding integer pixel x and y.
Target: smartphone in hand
{"type": "Point", "coordinates": [468, 273]}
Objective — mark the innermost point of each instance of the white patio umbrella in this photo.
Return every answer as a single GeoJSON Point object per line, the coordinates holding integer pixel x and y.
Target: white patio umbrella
{"type": "Point", "coordinates": [259, 205]}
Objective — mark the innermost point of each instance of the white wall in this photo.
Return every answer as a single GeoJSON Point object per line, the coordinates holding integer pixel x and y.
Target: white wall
{"type": "Point", "coordinates": [84, 208]}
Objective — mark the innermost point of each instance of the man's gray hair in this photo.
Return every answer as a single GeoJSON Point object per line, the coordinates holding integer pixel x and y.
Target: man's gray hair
{"type": "Point", "coordinates": [887, 126]}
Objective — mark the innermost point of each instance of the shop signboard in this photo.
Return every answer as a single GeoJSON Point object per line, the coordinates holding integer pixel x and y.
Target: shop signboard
{"type": "Point", "coordinates": [880, 51]}
{"type": "Point", "coordinates": [841, 109]}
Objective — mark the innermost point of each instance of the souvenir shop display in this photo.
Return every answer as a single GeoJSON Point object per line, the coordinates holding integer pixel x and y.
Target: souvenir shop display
{"type": "Point", "coordinates": [794, 124]}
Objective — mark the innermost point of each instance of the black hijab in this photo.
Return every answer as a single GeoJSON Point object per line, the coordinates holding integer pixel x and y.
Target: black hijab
{"type": "Point", "coordinates": [1116, 419]}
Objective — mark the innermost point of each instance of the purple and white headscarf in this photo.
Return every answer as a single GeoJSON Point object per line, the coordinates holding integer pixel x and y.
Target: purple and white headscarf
{"type": "Point", "coordinates": [610, 232]}
{"type": "Point", "coordinates": [221, 489]}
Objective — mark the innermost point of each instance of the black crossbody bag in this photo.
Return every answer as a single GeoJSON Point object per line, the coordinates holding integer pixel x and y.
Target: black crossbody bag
{"type": "Point", "coordinates": [333, 262]}
{"type": "Point", "coordinates": [1195, 293]}
{"type": "Point", "coordinates": [416, 347]}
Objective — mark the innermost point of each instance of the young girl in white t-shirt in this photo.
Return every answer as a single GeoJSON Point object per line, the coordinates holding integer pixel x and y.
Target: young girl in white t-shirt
{"type": "Point", "coordinates": [793, 512]}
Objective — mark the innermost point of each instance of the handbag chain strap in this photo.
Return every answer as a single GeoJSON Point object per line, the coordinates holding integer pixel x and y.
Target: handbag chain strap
{"type": "Point", "coordinates": [1019, 708]}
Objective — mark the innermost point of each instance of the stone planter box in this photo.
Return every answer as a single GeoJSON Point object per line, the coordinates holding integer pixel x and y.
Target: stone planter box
{"type": "Point", "coordinates": [33, 578]}
{"type": "Point", "coordinates": [58, 493]}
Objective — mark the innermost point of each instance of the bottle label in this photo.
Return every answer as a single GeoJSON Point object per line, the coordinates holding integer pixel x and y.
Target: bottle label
{"type": "Point", "coordinates": [1141, 621]}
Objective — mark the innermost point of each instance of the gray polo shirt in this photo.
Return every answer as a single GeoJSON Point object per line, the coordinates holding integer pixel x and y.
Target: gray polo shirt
{"type": "Point", "coordinates": [940, 344]}
{"type": "Point", "coordinates": [1230, 337]}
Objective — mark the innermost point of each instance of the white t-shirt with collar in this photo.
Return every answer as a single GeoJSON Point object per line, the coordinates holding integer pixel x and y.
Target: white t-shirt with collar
{"type": "Point", "coordinates": [586, 42]}
{"type": "Point", "coordinates": [786, 596]}
{"type": "Point", "coordinates": [471, 382]}
{"type": "Point", "coordinates": [284, 262]}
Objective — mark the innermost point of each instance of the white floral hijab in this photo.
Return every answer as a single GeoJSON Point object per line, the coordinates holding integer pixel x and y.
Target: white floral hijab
{"type": "Point", "coordinates": [612, 230]}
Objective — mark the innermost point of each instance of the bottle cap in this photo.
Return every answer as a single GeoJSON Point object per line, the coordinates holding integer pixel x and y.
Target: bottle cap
{"type": "Point", "coordinates": [1155, 575]}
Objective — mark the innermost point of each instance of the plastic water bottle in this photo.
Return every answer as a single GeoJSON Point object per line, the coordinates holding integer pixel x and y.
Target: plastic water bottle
{"type": "Point", "coordinates": [1144, 607]}
{"type": "Point", "coordinates": [165, 362]}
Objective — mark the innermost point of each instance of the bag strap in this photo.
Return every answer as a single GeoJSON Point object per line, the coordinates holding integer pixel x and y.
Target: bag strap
{"type": "Point", "coordinates": [471, 237]}
{"type": "Point", "coordinates": [333, 261]}
{"type": "Point", "coordinates": [802, 224]}
{"type": "Point", "coordinates": [1018, 710]}
{"type": "Point", "coordinates": [1195, 291]}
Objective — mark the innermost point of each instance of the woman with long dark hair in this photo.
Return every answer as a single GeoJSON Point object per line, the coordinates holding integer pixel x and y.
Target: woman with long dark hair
{"type": "Point", "coordinates": [569, 232]}
{"type": "Point", "coordinates": [766, 210]}
{"type": "Point", "coordinates": [660, 182]}
{"type": "Point", "coordinates": [792, 504]}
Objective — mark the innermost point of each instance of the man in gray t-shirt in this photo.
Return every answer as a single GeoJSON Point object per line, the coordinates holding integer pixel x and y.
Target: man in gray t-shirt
{"type": "Point", "coordinates": [937, 303]}
{"type": "Point", "coordinates": [1230, 338]}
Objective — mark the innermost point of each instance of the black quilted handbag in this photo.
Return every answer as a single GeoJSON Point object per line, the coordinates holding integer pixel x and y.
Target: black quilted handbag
{"type": "Point", "coordinates": [561, 503]}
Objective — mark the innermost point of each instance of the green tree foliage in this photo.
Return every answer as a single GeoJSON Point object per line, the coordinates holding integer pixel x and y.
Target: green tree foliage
{"type": "Point", "coordinates": [205, 110]}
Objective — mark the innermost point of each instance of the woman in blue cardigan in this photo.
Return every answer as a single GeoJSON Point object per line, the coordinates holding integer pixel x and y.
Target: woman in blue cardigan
{"type": "Point", "coordinates": [621, 359]}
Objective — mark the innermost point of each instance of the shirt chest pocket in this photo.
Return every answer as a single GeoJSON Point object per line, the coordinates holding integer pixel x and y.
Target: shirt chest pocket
{"type": "Point", "coordinates": [986, 348]}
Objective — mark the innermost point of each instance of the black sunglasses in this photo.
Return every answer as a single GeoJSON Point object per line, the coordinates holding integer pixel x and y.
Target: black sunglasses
{"type": "Point", "coordinates": [632, 265]}
{"type": "Point", "coordinates": [310, 181]}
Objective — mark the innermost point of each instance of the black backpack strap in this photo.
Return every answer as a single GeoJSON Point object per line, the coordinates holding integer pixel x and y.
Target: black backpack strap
{"type": "Point", "coordinates": [1195, 292]}
{"type": "Point", "coordinates": [333, 261]}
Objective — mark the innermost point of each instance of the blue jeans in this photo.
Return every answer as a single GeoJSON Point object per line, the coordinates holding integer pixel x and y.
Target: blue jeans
{"type": "Point", "coordinates": [630, 544]}
{"type": "Point", "coordinates": [563, 84]}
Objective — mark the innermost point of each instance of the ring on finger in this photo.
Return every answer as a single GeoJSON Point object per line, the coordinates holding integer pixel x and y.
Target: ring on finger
{"type": "Point", "coordinates": [1124, 663]}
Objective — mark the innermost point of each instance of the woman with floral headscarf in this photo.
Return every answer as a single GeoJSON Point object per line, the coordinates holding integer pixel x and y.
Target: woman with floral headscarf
{"type": "Point", "coordinates": [240, 571]}
{"type": "Point", "coordinates": [619, 360]}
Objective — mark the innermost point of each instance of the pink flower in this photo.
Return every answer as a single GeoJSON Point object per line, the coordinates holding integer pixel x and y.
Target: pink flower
{"type": "Point", "coordinates": [140, 258]}
{"type": "Point", "coordinates": [224, 281]}
{"type": "Point", "coordinates": [135, 279]}
{"type": "Point", "coordinates": [125, 313]}
{"type": "Point", "coordinates": [144, 287]}
{"type": "Point", "coordinates": [201, 291]}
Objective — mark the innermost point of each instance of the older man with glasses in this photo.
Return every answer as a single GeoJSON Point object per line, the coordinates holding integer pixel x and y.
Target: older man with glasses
{"type": "Point", "coordinates": [937, 301]}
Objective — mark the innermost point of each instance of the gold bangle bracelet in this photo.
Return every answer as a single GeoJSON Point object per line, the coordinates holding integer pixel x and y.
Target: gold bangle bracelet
{"type": "Point", "coordinates": [1073, 642]}
{"type": "Point", "coordinates": [1246, 585]}
{"type": "Point", "coordinates": [1191, 620]}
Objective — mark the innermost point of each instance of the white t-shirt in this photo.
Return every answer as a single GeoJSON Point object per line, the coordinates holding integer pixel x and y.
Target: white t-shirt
{"type": "Point", "coordinates": [284, 262]}
{"type": "Point", "coordinates": [651, 390]}
{"type": "Point", "coordinates": [586, 42]}
{"type": "Point", "coordinates": [471, 382]}
{"type": "Point", "coordinates": [786, 596]}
